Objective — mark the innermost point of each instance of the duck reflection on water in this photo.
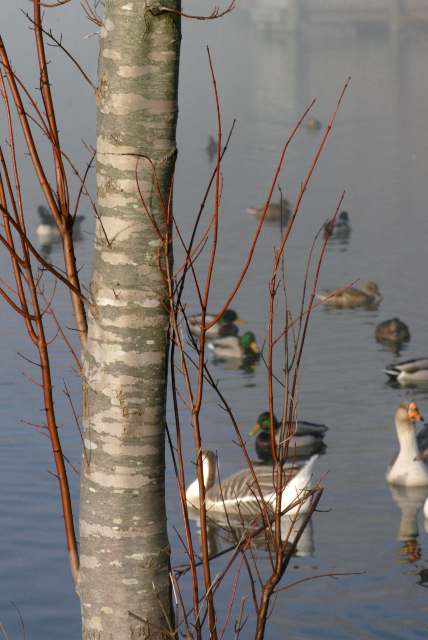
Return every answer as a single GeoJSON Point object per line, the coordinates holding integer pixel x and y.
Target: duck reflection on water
{"type": "Point", "coordinates": [222, 533]}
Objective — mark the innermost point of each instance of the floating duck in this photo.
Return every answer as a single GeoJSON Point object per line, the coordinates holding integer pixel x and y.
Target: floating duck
{"type": "Point", "coordinates": [392, 331]}
{"type": "Point", "coordinates": [229, 317]}
{"type": "Point", "coordinates": [368, 296]}
{"type": "Point", "coordinates": [244, 346]}
{"type": "Point", "coordinates": [307, 437]}
{"type": "Point", "coordinates": [276, 211]}
{"type": "Point", "coordinates": [409, 371]}
{"type": "Point", "coordinates": [408, 469]}
{"type": "Point", "coordinates": [339, 229]}
{"type": "Point", "coordinates": [47, 230]}
{"type": "Point", "coordinates": [239, 494]}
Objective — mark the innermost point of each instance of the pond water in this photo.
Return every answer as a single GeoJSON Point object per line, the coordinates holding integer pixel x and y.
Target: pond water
{"type": "Point", "coordinates": [377, 153]}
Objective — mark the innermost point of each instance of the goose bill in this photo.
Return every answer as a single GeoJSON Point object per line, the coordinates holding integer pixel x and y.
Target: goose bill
{"type": "Point", "coordinates": [413, 413]}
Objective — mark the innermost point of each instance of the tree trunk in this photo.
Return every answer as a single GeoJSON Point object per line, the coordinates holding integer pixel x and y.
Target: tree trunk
{"type": "Point", "coordinates": [124, 582]}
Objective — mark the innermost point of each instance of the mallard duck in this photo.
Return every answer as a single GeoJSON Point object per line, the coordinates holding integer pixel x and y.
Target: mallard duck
{"type": "Point", "coordinates": [229, 317]}
{"type": "Point", "coordinates": [238, 494]}
{"type": "Point", "coordinates": [312, 124]}
{"type": "Point", "coordinates": [47, 230]}
{"type": "Point", "coordinates": [393, 330]}
{"type": "Point", "coordinates": [407, 468]}
{"type": "Point", "coordinates": [338, 229]}
{"type": "Point", "coordinates": [235, 346]}
{"type": "Point", "coordinates": [367, 296]}
{"type": "Point", "coordinates": [276, 211]}
{"type": "Point", "coordinates": [409, 371]}
{"type": "Point", "coordinates": [307, 437]}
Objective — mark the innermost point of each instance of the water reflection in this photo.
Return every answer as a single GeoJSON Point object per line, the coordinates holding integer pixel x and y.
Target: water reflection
{"type": "Point", "coordinates": [247, 364]}
{"type": "Point", "coordinates": [222, 533]}
{"type": "Point", "coordinates": [409, 500]}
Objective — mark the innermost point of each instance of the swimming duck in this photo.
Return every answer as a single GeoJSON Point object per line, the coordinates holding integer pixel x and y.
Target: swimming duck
{"type": "Point", "coordinates": [367, 296]}
{"type": "Point", "coordinates": [393, 330]}
{"type": "Point", "coordinates": [229, 317]}
{"type": "Point", "coordinates": [238, 494]}
{"type": "Point", "coordinates": [312, 124]}
{"type": "Point", "coordinates": [307, 438]}
{"type": "Point", "coordinates": [409, 371]}
{"type": "Point", "coordinates": [47, 230]}
{"type": "Point", "coordinates": [244, 346]}
{"type": "Point", "coordinates": [276, 211]}
{"type": "Point", "coordinates": [407, 468]}
{"type": "Point", "coordinates": [340, 228]}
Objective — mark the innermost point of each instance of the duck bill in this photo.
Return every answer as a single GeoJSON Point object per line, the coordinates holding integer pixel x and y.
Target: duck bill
{"type": "Point", "coordinates": [254, 348]}
{"type": "Point", "coordinates": [255, 430]}
{"type": "Point", "coordinates": [240, 321]}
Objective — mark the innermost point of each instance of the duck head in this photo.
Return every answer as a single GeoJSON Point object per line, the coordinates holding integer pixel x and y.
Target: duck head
{"type": "Point", "coordinates": [406, 416]}
{"type": "Point", "coordinates": [249, 344]}
{"type": "Point", "coordinates": [372, 289]}
{"type": "Point", "coordinates": [230, 316]}
{"type": "Point", "coordinates": [263, 424]}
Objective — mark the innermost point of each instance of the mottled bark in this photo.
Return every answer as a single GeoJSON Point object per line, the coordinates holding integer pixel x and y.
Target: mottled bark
{"type": "Point", "coordinates": [125, 553]}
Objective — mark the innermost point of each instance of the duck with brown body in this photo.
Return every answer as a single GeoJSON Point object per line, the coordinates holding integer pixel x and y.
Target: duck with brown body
{"type": "Point", "coordinates": [276, 211]}
{"type": "Point", "coordinates": [351, 298]}
{"type": "Point", "coordinates": [392, 331]}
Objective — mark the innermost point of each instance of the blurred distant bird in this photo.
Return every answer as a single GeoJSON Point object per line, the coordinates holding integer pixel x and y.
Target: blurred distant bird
{"type": "Point", "coordinates": [276, 211]}
{"type": "Point", "coordinates": [229, 317]}
{"type": "Point", "coordinates": [367, 296]}
{"type": "Point", "coordinates": [409, 371]}
{"type": "Point", "coordinates": [47, 230]}
{"type": "Point", "coordinates": [340, 228]}
{"type": "Point", "coordinates": [244, 346]}
{"type": "Point", "coordinates": [392, 331]}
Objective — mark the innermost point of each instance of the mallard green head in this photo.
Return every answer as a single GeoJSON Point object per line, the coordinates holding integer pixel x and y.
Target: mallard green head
{"type": "Point", "coordinates": [248, 343]}
{"type": "Point", "coordinates": [230, 316]}
{"type": "Point", "coordinates": [263, 423]}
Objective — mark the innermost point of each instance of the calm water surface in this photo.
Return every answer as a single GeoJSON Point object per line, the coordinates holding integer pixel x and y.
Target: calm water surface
{"type": "Point", "coordinates": [378, 153]}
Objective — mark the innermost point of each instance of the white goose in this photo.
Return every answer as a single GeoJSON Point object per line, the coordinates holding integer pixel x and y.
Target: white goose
{"type": "Point", "coordinates": [408, 469]}
{"type": "Point", "coordinates": [238, 494]}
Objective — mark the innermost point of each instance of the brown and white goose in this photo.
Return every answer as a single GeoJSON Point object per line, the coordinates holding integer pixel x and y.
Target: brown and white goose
{"type": "Point", "coordinates": [239, 494]}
